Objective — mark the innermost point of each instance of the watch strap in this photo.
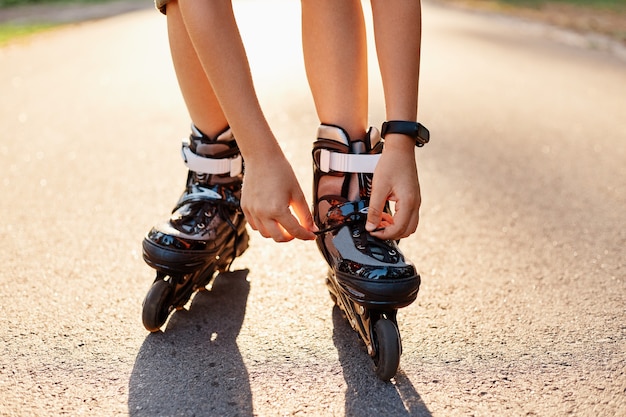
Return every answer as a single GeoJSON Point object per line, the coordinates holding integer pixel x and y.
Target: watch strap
{"type": "Point", "coordinates": [414, 130]}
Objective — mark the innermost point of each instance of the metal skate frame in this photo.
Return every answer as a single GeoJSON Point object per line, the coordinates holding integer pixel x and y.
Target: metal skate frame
{"type": "Point", "coordinates": [362, 319]}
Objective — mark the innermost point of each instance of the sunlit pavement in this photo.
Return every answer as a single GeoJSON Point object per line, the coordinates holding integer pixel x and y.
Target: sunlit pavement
{"type": "Point", "coordinates": [520, 245]}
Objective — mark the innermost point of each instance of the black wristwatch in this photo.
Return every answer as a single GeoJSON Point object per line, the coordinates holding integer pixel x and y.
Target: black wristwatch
{"type": "Point", "coordinates": [414, 130]}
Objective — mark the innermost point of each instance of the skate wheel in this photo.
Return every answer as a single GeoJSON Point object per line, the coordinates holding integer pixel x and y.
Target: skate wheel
{"type": "Point", "coordinates": [388, 348]}
{"type": "Point", "coordinates": [156, 306]}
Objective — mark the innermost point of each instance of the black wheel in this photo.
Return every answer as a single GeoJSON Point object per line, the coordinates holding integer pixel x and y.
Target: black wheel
{"type": "Point", "coordinates": [156, 305]}
{"type": "Point", "coordinates": [388, 348]}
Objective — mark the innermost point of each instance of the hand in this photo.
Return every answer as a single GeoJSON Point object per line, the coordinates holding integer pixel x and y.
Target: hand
{"type": "Point", "coordinates": [271, 196]}
{"type": "Point", "coordinates": [395, 179]}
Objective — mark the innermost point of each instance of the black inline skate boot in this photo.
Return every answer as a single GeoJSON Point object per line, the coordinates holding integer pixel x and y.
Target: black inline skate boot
{"type": "Point", "coordinates": [369, 279]}
{"type": "Point", "coordinates": [204, 234]}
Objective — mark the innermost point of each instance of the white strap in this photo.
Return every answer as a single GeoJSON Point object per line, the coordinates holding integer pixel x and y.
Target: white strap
{"type": "Point", "coordinates": [346, 162]}
{"type": "Point", "coordinates": [204, 165]}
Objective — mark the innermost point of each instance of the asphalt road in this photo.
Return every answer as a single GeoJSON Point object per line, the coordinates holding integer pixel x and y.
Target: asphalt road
{"type": "Point", "coordinates": [521, 242]}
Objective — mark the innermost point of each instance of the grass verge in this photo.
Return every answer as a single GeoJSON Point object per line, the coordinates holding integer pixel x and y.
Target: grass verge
{"type": "Point", "coordinates": [594, 4]}
{"type": "Point", "coordinates": [606, 17]}
{"type": "Point", "coordinates": [9, 3]}
{"type": "Point", "coordinates": [10, 32]}
{"type": "Point", "coordinates": [22, 18]}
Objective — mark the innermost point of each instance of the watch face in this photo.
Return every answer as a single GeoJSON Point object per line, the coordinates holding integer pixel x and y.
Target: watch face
{"type": "Point", "coordinates": [422, 133]}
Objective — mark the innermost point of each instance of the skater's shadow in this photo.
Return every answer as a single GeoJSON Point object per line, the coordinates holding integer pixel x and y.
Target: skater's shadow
{"type": "Point", "coordinates": [195, 367]}
{"type": "Point", "coordinates": [366, 395]}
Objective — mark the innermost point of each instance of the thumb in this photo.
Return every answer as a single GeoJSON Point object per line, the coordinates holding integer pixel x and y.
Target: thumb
{"type": "Point", "coordinates": [375, 210]}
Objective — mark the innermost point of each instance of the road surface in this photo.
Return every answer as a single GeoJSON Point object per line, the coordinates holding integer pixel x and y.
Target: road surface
{"type": "Point", "coordinates": [521, 242]}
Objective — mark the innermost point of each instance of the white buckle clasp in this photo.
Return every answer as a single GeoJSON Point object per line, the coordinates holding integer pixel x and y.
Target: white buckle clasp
{"type": "Point", "coordinates": [346, 162]}
{"type": "Point", "coordinates": [205, 165]}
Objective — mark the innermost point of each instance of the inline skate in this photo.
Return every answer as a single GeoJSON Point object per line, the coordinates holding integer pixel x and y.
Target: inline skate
{"type": "Point", "coordinates": [369, 279]}
{"type": "Point", "coordinates": [205, 232]}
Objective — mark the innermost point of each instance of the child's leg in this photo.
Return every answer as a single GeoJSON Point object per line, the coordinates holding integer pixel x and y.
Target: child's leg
{"type": "Point", "coordinates": [206, 229]}
{"type": "Point", "coordinates": [397, 28]}
{"type": "Point", "coordinates": [213, 32]}
{"type": "Point", "coordinates": [203, 106]}
{"type": "Point", "coordinates": [335, 54]}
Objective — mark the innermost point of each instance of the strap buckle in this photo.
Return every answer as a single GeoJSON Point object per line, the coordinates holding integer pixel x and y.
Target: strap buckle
{"type": "Point", "coordinates": [208, 165]}
{"type": "Point", "coordinates": [346, 162]}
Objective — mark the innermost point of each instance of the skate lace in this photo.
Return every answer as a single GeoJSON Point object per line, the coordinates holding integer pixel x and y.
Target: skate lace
{"type": "Point", "coordinates": [354, 216]}
{"type": "Point", "coordinates": [224, 211]}
{"type": "Point", "coordinates": [347, 222]}
{"type": "Point", "coordinates": [344, 214]}
{"type": "Point", "coordinates": [216, 201]}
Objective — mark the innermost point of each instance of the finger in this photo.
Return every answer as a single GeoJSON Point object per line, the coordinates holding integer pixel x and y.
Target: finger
{"type": "Point", "coordinates": [302, 212]}
{"type": "Point", "coordinates": [411, 228]}
{"type": "Point", "coordinates": [262, 230]}
{"type": "Point", "coordinates": [294, 228]}
{"type": "Point", "coordinates": [279, 234]}
{"type": "Point", "coordinates": [374, 216]}
{"type": "Point", "coordinates": [250, 220]}
{"type": "Point", "coordinates": [377, 203]}
{"type": "Point", "coordinates": [415, 219]}
{"type": "Point", "coordinates": [394, 232]}
{"type": "Point", "coordinates": [400, 226]}
{"type": "Point", "coordinates": [390, 232]}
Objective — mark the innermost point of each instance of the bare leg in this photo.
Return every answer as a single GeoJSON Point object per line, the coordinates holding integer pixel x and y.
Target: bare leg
{"type": "Point", "coordinates": [214, 35]}
{"type": "Point", "coordinates": [398, 29]}
{"type": "Point", "coordinates": [202, 105]}
{"type": "Point", "coordinates": [335, 54]}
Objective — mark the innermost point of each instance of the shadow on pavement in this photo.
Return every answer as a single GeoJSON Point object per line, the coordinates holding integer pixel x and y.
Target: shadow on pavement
{"type": "Point", "coordinates": [366, 395]}
{"type": "Point", "coordinates": [195, 367]}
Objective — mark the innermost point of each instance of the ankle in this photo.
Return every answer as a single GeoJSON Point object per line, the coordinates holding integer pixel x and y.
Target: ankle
{"type": "Point", "coordinates": [220, 145]}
